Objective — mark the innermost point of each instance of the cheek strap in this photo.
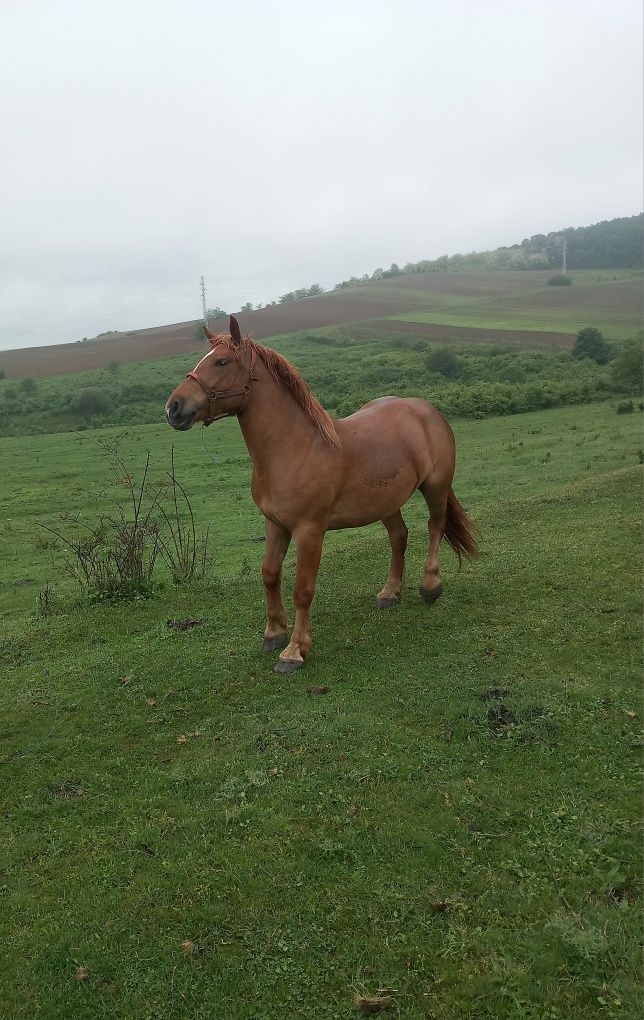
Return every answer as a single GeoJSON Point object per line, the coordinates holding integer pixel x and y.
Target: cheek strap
{"type": "Point", "coordinates": [223, 394]}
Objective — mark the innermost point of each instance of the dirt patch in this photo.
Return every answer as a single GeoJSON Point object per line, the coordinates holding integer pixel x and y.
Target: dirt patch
{"type": "Point", "coordinates": [501, 719]}
{"type": "Point", "coordinates": [622, 892]}
{"type": "Point", "coordinates": [493, 694]}
{"type": "Point", "coordinates": [531, 725]}
{"type": "Point", "coordinates": [69, 789]}
{"type": "Point", "coordinates": [434, 331]}
{"type": "Point", "coordinates": [370, 1004]}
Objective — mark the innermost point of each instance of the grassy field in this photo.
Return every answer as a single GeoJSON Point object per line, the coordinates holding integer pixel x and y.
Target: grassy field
{"type": "Point", "coordinates": [530, 319]}
{"type": "Point", "coordinates": [611, 301]}
{"type": "Point", "coordinates": [186, 834]}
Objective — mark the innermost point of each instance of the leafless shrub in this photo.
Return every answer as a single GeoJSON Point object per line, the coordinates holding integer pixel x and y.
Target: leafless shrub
{"type": "Point", "coordinates": [44, 544]}
{"type": "Point", "coordinates": [116, 556]}
{"type": "Point", "coordinates": [182, 550]}
{"type": "Point", "coordinates": [47, 599]}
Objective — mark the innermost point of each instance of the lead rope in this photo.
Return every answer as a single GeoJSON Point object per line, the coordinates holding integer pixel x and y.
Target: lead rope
{"type": "Point", "coordinates": [205, 448]}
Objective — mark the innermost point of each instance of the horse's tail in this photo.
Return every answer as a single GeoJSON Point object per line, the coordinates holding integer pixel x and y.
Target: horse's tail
{"type": "Point", "coordinates": [460, 529]}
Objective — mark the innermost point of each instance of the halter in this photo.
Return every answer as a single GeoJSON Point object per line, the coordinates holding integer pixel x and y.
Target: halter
{"type": "Point", "coordinates": [223, 394]}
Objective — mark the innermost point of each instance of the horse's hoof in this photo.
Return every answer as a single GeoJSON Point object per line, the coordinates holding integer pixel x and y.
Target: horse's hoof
{"type": "Point", "coordinates": [431, 596]}
{"type": "Point", "coordinates": [387, 603]}
{"type": "Point", "coordinates": [270, 644]}
{"type": "Point", "coordinates": [288, 665]}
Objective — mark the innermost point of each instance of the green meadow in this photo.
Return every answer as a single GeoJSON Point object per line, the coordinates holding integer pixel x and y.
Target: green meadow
{"type": "Point", "coordinates": [444, 804]}
{"type": "Point", "coordinates": [608, 299]}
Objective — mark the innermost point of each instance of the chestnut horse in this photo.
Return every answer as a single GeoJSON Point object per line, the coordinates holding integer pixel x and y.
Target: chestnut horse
{"type": "Point", "coordinates": [312, 474]}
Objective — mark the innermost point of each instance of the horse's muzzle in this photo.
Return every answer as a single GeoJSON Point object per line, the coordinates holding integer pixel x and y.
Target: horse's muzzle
{"type": "Point", "coordinates": [177, 418]}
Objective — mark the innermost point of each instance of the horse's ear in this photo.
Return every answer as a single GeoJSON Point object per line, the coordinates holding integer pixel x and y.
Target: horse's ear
{"type": "Point", "coordinates": [211, 336]}
{"type": "Point", "coordinates": [235, 331]}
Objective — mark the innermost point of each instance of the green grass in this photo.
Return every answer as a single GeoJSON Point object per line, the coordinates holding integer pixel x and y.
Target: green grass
{"type": "Point", "coordinates": [552, 322]}
{"type": "Point", "coordinates": [455, 819]}
{"type": "Point", "coordinates": [614, 307]}
{"type": "Point", "coordinates": [608, 299]}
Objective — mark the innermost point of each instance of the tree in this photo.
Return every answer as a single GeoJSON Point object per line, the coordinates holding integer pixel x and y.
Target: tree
{"type": "Point", "coordinates": [445, 362]}
{"type": "Point", "coordinates": [627, 369]}
{"type": "Point", "coordinates": [248, 307]}
{"type": "Point", "coordinates": [394, 270]}
{"type": "Point", "coordinates": [590, 343]}
{"type": "Point", "coordinates": [27, 385]}
{"type": "Point", "coordinates": [215, 313]}
{"type": "Point", "coordinates": [90, 401]}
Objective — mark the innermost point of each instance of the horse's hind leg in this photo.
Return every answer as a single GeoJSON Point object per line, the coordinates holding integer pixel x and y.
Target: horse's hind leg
{"type": "Point", "coordinates": [277, 542]}
{"type": "Point", "coordinates": [436, 499]}
{"type": "Point", "coordinates": [397, 530]}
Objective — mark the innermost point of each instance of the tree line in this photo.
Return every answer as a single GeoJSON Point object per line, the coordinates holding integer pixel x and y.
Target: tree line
{"type": "Point", "coordinates": [611, 244]}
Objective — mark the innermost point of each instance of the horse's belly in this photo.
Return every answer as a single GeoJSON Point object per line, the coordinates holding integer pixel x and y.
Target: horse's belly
{"type": "Point", "coordinates": [372, 495]}
{"type": "Point", "coordinates": [340, 521]}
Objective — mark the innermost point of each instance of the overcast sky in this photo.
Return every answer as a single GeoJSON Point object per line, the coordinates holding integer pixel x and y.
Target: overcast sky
{"type": "Point", "coordinates": [270, 145]}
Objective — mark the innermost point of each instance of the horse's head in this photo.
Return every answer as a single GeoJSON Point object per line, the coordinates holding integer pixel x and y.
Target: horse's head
{"type": "Point", "coordinates": [219, 384]}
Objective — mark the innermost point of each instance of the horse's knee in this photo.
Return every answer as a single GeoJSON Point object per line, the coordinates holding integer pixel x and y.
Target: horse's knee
{"type": "Point", "coordinates": [271, 576]}
{"type": "Point", "coordinates": [304, 592]}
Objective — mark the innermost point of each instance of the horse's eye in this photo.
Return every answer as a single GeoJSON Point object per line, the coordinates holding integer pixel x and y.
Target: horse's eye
{"type": "Point", "coordinates": [221, 362]}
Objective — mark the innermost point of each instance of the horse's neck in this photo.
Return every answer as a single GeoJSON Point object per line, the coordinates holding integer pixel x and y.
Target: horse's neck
{"type": "Point", "coordinates": [273, 424]}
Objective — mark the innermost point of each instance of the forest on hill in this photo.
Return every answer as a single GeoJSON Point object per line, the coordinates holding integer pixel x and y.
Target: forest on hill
{"type": "Point", "coordinates": [611, 244]}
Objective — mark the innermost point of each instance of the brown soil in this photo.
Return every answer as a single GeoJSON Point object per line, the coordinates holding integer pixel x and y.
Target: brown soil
{"type": "Point", "coordinates": [470, 333]}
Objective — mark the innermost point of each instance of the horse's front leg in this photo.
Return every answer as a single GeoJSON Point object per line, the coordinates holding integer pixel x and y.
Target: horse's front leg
{"type": "Point", "coordinates": [277, 542]}
{"type": "Point", "coordinates": [308, 541]}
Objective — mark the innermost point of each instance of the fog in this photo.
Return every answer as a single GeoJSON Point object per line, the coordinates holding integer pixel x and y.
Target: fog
{"type": "Point", "coordinates": [275, 145]}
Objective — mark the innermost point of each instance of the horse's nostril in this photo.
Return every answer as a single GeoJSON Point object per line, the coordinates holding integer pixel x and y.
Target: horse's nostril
{"type": "Point", "coordinates": [174, 408]}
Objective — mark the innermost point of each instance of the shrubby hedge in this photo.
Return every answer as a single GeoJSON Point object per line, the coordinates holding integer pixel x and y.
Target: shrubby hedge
{"type": "Point", "coordinates": [344, 373]}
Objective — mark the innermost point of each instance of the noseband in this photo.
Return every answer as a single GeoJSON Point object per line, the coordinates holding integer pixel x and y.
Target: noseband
{"type": "Point", "coordinates": [223, 394]}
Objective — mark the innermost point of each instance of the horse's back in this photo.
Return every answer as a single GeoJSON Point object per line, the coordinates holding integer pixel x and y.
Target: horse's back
{"type": "Point", "coordinates": [394, 412]}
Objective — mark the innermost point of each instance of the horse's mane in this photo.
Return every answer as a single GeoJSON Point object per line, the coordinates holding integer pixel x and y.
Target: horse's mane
{"type": "Point", "coordinates": [288, 376]}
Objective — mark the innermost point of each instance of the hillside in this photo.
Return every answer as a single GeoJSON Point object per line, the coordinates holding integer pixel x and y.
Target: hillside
{"type": "Point", "coordinates": [515, 307]}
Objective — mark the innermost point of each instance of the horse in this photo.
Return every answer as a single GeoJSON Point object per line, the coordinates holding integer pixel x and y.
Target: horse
{"type": "Point", "coordinates": [313, 474]}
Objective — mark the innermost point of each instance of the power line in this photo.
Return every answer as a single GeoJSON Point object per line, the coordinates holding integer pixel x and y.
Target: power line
{"type": "Point", "coordinates": [203, 301]}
